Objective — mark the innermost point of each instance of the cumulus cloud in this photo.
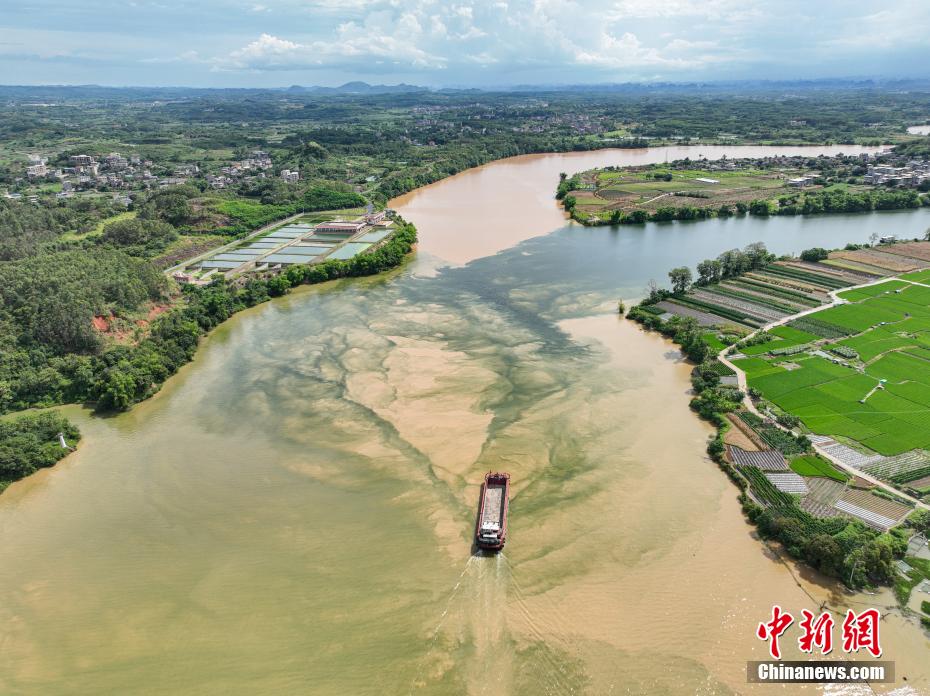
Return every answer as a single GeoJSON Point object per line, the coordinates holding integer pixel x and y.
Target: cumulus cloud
{"type": "Point", "coordinates": [459, 42]}
{"type": "Point", "coordinates": [425, 35]}
{"type": "Point", "coordinates": [348, 49]}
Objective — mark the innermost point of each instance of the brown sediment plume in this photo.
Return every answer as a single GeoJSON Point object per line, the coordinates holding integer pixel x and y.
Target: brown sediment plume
{"type": "Point", "coordinates": [302, 496]}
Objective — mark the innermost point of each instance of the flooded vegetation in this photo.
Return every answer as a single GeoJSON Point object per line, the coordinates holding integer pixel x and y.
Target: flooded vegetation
{"type": "Point", "coordinates": [297, 506]}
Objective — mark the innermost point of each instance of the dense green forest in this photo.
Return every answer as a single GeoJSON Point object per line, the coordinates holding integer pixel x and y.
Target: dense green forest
{"type": "Point", "coordinates": [52, 352]}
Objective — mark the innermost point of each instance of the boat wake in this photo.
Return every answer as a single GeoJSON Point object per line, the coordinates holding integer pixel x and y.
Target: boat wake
{"type": "Point", "coordinates": [434, 634]}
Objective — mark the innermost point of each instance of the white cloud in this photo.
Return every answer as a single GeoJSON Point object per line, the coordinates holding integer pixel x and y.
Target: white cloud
{"type": "Point", "coordinates": [351, 46]}
{"type": "Point", "coordinates": [511, 41]}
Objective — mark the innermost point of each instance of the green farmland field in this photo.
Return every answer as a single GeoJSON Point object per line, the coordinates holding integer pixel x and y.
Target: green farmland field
{"type": "Point", "coordinates": [872, 290]}
{"type": "Point", "coordinates": [815, 465]}
{"type": "Point", "coordinates": [716, 345]}
{"type": "Point", "coordinates": [881, 398]}
{"type": "Point", "coordinates": [785, 337]}
{"type": "Point", "coordinates": [918, 276]}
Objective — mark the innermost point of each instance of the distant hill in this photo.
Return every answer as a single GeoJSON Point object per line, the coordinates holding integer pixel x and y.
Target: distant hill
{"type": "Point", "coordinates": [360, 88]}
{"type": "Point", "coordinates": [45, 94]}
{"type": "Point", "coordinates": [54, 93]}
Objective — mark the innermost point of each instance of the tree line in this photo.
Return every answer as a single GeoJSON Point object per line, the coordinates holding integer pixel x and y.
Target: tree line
{"type": "Point", "coordinates": [812, 203]}
{"type": "Point", "coordinates": [730, 264]}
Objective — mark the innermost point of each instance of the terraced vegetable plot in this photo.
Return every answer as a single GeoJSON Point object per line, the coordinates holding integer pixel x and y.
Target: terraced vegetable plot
{"type": "Point", "coordinates": [880, 259]}
{"type": "Point", "coordinates": [905, 467]}
{"type": "Point", "coordinates": [760, 297]}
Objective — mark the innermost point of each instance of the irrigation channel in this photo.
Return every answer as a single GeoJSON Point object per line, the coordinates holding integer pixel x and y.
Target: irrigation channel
{"type": "Point", "coordinates": [294, 512]}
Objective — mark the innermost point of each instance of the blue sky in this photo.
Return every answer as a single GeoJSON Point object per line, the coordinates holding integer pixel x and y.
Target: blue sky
{"type": "Point", "coordinates": [485, 43]}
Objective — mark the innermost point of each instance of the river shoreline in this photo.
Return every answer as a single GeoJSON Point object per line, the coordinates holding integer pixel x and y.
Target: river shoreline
{"type": "Point", "coordinates": [324, 415]}
{"type": "Point", "coordinates": [617, 225]}
{"type": "Point", "coordinates": [711, 405]}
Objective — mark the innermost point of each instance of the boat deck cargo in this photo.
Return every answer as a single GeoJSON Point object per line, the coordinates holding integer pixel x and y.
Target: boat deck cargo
{"type": "Point", "coordinates": [491, 528]}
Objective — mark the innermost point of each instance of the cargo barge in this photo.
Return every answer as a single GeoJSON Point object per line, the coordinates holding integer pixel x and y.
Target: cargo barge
{"type": "Point", "coordinates": [491, 527]}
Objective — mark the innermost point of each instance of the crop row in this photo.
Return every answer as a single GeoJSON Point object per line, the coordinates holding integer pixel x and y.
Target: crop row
{"type": "Point", "coordinates": [750, 308]}
{"type": "Point", "coordinates": [790, 350]}
{"type": "Point", "coordinates": [830, 271]}
{"type": "Point", "coordinates": [910, 475]}
{"type": "Point", "coordinates": [764, 489]}
{"type": "Point", "coordinates": [778, 291]}
{"type": "Point", "coordinates": [742, 294]}
{"type": "Point", "coordinates": [819, 327]}
{"type": "Point", "coordinates": [844, 351]}
{"type": "Point", "coordinates": [681, 309]}
{"type": "Point", "coordinates": [724, 312]}
{"type": "Point", "coordinates": [806, 276]}
{"type": "Point", "coordinates": [721, 369]}
{"type": "Point", "coordinates": [789, 283]}
{"type": "Point", "coordinates": [786, 506]}
{"type": "Point", "coordinates": [901, 464]}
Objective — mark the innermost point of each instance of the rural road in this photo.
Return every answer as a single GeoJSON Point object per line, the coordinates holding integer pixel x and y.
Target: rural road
{"type": "Point", "coordinates": [751, 407]}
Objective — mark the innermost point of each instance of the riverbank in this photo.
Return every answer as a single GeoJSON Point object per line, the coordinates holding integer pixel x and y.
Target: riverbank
{"type": "Point", "coordinates": [796, 508]}
{"type": "Point", "coordinates": [33, 441]}
{"type": "Point", "coordinates": [174, 337]}
{"type": "Point", "coordinates": [697, 190]}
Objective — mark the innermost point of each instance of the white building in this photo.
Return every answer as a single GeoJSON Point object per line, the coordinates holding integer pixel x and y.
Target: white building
{"type": "Point", "coordinates": [36, 171]}
{"type": "Point", "coordinates": [373, 218]}
{"type": "Point", "coordinates": [801, 181]}
{"type": "Point", "coordinates": [340, 227]}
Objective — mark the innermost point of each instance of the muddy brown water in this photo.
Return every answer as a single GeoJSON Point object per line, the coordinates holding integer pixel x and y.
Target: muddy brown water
{"type": "Point", "coordinates": [293, 512]}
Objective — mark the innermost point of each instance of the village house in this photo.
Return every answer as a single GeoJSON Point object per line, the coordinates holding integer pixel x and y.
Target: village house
{"type": "Point", "coordinates": [37, 171]}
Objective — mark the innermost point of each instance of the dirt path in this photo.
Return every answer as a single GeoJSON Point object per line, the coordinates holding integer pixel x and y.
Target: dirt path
{"type": "Point", "coordinates": [751, 407]}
